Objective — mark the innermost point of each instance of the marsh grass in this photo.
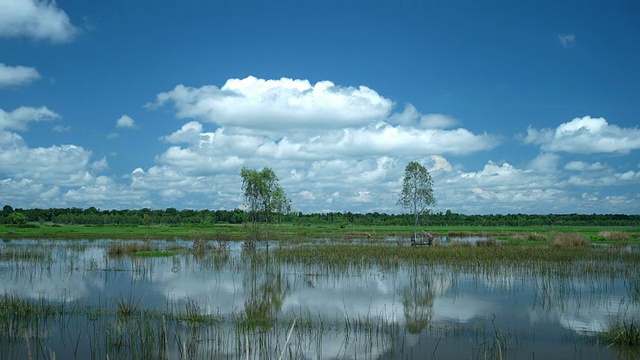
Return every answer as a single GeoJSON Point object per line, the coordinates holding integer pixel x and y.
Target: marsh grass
{"type": "Point", "coordinates": [555, 259]}
{"type": "Point", "coordinates": [488, 243]}
{"type": "Point", "coordinates": [121, 248]}
{"type": "Point", "coordinates": [24, 254]}
{"type": "Point", "coordinates": [127, 306]}
{"type": "Point", "coordinates": [617, 236]}
{"type": "Point", "coordinates": [156, 253]}
{"type": "Point", "coordinates": [202, 246]}
{"type": "Point", "coordinates": [624, 333]}
{"type": "Point", "coordinates": [360, 235]}
{"type": "Point", "coordinates": [531, 237]}
{"type": "Point", "coordinates": [570, 240]}
{"type": "Point", "coordinates": [192, 313]}
{"type": "Point", "coordinates": [458, 243]}
{"type": "Point", "coordinates": [14, 307]}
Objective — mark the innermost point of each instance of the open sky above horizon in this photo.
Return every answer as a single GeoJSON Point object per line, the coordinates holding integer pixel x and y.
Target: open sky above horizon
{"type": "Point", "coordinates": [513, 107]}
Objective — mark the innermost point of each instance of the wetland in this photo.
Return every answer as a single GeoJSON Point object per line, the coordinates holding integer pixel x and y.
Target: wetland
{"type": "Point", "coordinates": [347, 296]}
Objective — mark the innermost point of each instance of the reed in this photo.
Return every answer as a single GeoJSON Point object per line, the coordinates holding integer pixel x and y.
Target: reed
{"type": "Point", "coordinates": [127, 306]}
{"type": "Point", "coordinates": [617, 236]}
{"type": "Point", "coordinates": [24, 254]}
{"type": "Point", "coordinates": [193, 314]}
{"type": "Point", "coordinates": [488, 243]}
{"type": "Point", "coordinates": [121, 248]}
{"type": "Point", "coordinates": [531, 237]}
{"type": "Point", "coordinates": [570, 239]}
{"type": "Point", "coordinates": [624, 333]}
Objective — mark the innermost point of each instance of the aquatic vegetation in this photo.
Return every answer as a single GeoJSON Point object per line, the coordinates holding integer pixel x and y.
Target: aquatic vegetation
{"type": "Point", "coordinates": [488, 243]}
{"type": "Point", "coordinates": [531, 237]}
{"type": "Point", "coordinates": [11, 306]}
{"type": "Point", "coordinates": [192, 313]}
{"type": "Point", "coordinates": [202, 245]}
{"type": "Point", "coordinates": [127, 306]}
{"type": "Point", "coordinates": [156, 253]}
{"type": "Point", "coordinates": [615, 236]}
{"type": "Point", "coordinates": [121, 248]}
{"type": "Point", "coordinates": [459, 243]}
{"type": "Point", "coordinates": [570, 239]}
{"type": "Point", "coordinates": [24, 254]}
{"type": "Point", "coordinates": [624, 333]}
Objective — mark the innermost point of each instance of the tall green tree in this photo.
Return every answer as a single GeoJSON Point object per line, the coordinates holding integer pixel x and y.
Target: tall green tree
{"type": "Point", "coordinates": [263, 195]}
{"type": "Point", "coordinates": [417, 192]}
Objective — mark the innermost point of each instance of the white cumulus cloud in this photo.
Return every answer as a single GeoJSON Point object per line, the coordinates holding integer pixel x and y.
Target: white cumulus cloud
{"type": "Point", "coordinates": [17, 75]}
{"type": "Point", "coordinates": [586, 135]}
{"type": "Point", "coordinates": [39, 20]}
{"type": "Point", "coordinates": [20, 117]}
{"type": "Point", "coordinates": [126, 122]}
{"type": "Point", "coordinates": [412, 117]}
{"type": "Point", "coordinates": [269, 104]}
{"type": "Point", "coordinates": [63, 165]}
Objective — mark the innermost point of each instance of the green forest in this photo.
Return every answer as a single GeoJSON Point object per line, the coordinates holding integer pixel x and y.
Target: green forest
{"type": "Point", "coordinates": [172, 216]}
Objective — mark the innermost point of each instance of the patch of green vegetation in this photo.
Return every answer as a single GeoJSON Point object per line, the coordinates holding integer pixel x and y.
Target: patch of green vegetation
{"type": "Point", "coordinates": [192, 314]}
{"type": "Point", "coordinates": [156, 253]}
{"type": "Point", "coordinates": [16, 308]}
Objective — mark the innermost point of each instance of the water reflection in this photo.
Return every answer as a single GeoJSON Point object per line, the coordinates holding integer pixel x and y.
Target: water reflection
{"type": "Point", "coordinates": [410, 307]}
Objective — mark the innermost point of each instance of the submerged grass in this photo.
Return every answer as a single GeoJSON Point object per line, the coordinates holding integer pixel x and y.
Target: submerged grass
{"type": "Point", "coordinates": [551, 259]}
{"type": "Point", "coordinates": [11, 306]}
{"type": "Point", "coordinates": [23, 254]}
{"type": "Point", "coordinates": [624, 333]}
{"type": "Point", "coordinates": [193, 314]}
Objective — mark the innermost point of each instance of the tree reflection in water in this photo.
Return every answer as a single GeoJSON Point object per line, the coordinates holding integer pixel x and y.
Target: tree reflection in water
{"type": "Point", "coordinates": [265, 289]}
{"type": "Point", "coordinates": [418, 297]}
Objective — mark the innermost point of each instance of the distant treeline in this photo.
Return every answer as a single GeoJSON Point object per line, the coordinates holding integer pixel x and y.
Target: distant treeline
{"type": "Point", "coordinates": [171, 216]}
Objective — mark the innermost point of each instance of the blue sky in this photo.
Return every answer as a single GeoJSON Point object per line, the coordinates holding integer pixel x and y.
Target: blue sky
{"type": "Point", "coordinates": [514, 108]}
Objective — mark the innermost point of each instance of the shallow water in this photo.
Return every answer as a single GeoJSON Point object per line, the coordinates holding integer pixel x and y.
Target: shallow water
{"type": "Point", "coordinates": [357, 311]}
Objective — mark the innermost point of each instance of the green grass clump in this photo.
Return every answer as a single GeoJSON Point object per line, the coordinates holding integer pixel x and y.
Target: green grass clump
{"type": "Point", "coordinates": [624, 334]}
{"type": "Point", "coordinates": [16, 308]}
{"type": "Point", "coordinates": [192, 314]}
{"type": "Point", "coordinates": [156, 253]}
{"type": "Point", "coordinates": [127, 306]}
{"type": "Point", "coordinates": [570, 239]}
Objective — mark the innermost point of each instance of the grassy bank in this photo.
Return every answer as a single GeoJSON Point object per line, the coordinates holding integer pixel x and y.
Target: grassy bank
{"type": "Point", "coordinates": [518, 235]}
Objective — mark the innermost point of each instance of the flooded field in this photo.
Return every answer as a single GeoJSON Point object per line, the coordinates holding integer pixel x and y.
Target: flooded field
{"type": "Point", "coordinates": [87, 300]}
